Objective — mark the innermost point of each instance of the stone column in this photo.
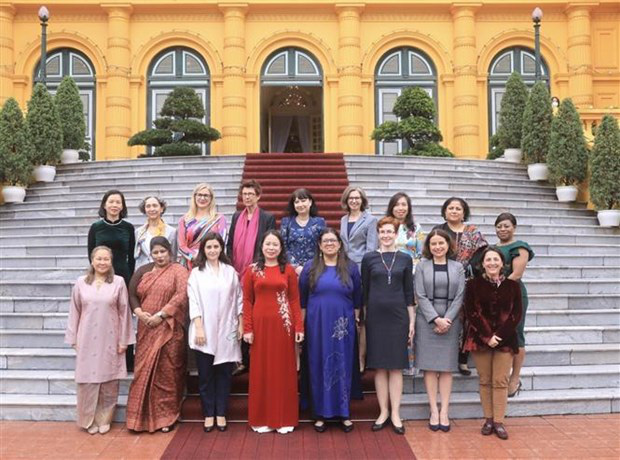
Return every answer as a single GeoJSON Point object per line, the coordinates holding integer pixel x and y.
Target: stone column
{"type": "Point", "coordinates": [117, 94]}
{"type": "Point", "coordinates": [466, 140]}
{"type": "Point", "coordinates": [7, 63]}
{"type": "Point", "coordinates": [580, 54]}
{"type": "Point", "coordinates": [234, 130]}
{"type": "Point", "coordinates": [350, 110]}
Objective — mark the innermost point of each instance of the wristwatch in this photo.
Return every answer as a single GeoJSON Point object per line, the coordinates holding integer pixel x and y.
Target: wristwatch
{"type": "Point", "coordinates": [160, 314]}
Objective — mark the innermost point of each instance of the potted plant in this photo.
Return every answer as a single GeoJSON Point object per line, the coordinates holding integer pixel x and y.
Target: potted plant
{"type": "Point", "coordinates": [71, 112]}
{"type": "Point", "coordinates": [568, 155]}
{"type": "Point", "coordinates": [605, 172]}
{"type": "Point", "coordinates": [511, 118]}
{"type": "Point", "coordinates": [537, 131]}
{"type": "Point", "coordinates": [15, 151]}
{"type": "Point", "coordinates": [45, 132]}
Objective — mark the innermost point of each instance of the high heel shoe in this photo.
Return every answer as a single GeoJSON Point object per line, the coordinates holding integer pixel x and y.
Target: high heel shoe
{"type": "Point", "coordinates": [208, 428]}
{"type": "Point", "coordinates": [320, 428]}
{"type": "Point", "coordinates": [346, 428]}
{"type": "Point", "coordinates": [222, 427]}
{"type": "Point", "coordinates": [516, 392]}
{"type": "Point", "coordinates": [433, 427]}
{"type": "Point", "coordinates": [444, 428]}
{"type": "Point", "coordinates": [464, 370]}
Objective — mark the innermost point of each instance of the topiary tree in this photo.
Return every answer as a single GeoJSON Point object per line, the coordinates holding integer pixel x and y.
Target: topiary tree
{"type": "Point", "coordinates": [71, 112]}
{"type": "Point", "coordinates": [537, 124]}
{"type": "Point", "coordinates": [568, 155]}
{"type": "Point", "coordinates": [416, 111]}
{"type": "Point", "coordinates": [511, 112]}
{"type": "Point", "coordinates": [179, 131]}
{"type": "Point", "coordinates": [15, 146]}
{"type": "Point", "coordinates": [496, 149]}
{"type": "Point", "coordinates": [43, 127]}
{"type": "Point", "coordinates": [605, 165]}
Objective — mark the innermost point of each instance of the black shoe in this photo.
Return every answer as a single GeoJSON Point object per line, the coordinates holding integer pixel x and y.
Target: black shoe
{"type": "Point", "coordinates": [398, 429]}
{"type": "Point", "coordinates": [516, 392]}
{"type": "Point", "coordinates": [222, 427]}
{"type": "Point", "coordinates": [320, 428]}
{"type": "Point", "coordinates": [241, 369]}
{"type": "Point", "coordinates": [208, 429]}
{"type": "Point", "coordinates": [433, 427]}
{"type": "Point", "coordinates": [464, 370]}
{"type": "Point", "coordinates": [379, 426]}
{"type": "Point", "coordinates": [444, 428]}
{"type": "Point", "coordinates": [346, 428]}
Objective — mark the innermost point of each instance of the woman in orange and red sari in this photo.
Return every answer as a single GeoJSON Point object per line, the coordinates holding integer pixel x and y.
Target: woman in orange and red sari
{"type": "Point", "coordinates": [158, 297]}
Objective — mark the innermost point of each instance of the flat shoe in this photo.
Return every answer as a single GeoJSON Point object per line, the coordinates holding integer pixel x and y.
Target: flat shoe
{"type": "Point", "coordinates": [500, 431]}
{"type": "Point", "coordinates": [487, 428]}
{"type": "Point", "coordinates": [398, 429]}
{"type": "Point", "coordinates": [93, 429]}
{"type": "Point", "coordinates": [320, 428]}
{"type": "Point", "coordinates": [379, 426]}
{"type": "Point", "coordinates": [347, 428]}
{"type": "Point", "coordinates": [104, 429]}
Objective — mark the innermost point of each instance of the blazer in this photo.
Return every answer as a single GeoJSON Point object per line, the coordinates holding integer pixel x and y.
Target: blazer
{"type": "Point", "coordinates": [363, 237]}
{"type": "Point", "coordinates": [424, 288]}
{"type": "Point", "coordinates": [266, 221]}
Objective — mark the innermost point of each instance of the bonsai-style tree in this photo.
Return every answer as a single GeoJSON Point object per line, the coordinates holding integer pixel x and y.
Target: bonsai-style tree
{"type": "Point", "coordinates": [511, 112]}
{"type": "Point", "coordinates": [605, 165]}
{"type": "Point", "coordinates": [179, 131]}
{"type": "Point", "coordinates": [416, 111]}
{"type": "Point", "coordinates": [15, 147]}
{"type": "Point", "coordinates": [537, 124]}
{"type": "Point", "coordinates": [568, 155]}
{"type": "Point", "coordinates": [43, 127]}
{"type": "Point", "coordinates": [71, 111]}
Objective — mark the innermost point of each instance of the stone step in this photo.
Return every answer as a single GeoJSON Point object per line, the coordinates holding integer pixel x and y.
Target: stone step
{"type": "Point", "coordinates": [550, 335]}
{"type": "Point", "coordinates": [575, 354]}
{"type": "Point", "coordinates": [207, 168]}
{"type": "Point", "coordinates": [575, 260]}
{"type": "Point", "coordinates": [188, 161]}
{"type": "Point", "coordinates": [46, 358]}
{"type": "Point", "coordinates": [456, 187]}
{"type": "Point", "coordinates": [423, 177]}
{"type": "Point", "coordinates": [45, 382]}
{"type": "Point", "coordinates": [32, 304]}
{"type": "Point", "coordinates": [573, 301]}
{"type": "Point", "coordinates": [36, 321]}
{"type": "Point", "coordinates": [19, 338]}
{"type": "Point", "coordinates": [574, 286]}
{"type": "Point", "coordinates": [593, 317]}
{"type": "Point", "coordinates": [537, 272]}
{"type": "Point", "coordinates": [352, 161]}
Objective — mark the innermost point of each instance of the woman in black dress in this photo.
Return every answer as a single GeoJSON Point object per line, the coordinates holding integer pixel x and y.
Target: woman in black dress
{"type": "Point", "coordinates": [387, 279]}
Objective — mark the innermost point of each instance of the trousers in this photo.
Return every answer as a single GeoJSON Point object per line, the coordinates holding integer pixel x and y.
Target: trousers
{"type": "Point", "coordinates": [213, 385]}
{"type": "Point", "coordinates": [494, 373]}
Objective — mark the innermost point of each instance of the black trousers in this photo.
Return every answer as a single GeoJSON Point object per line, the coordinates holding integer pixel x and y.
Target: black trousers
{"type": "Point", "coordinates": [213, 385]}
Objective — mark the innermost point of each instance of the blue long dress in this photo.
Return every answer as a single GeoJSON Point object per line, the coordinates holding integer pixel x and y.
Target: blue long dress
{"type": "Point", "coordinates": [331, 363]}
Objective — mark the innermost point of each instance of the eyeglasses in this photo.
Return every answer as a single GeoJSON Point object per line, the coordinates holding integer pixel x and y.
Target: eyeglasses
{"type": "Point", "coordinates": [204, 196]}
{"type": "Point", "coordinates": [329, 241]}
{"type": "Point", "coordinates": [355, 198]}
{"type": "Point", "coordinates": [248, 194]}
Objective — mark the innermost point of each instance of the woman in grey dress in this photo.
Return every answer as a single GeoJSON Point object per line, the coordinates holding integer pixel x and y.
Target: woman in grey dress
{"type": "Point", "coordinates": [439, 291]}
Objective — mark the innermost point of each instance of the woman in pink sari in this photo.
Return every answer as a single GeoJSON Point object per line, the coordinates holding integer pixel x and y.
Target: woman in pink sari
{"type": "Point", "coordinates": [158, 297]}
{"type": "Point", "coordinates": [200, 219]}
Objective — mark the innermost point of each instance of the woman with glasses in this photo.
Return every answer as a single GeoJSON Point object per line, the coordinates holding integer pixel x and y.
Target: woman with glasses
{"type": "Point", "coordinates": [358, 228]}
{"type": "Point", "coordinates": [200, 219]}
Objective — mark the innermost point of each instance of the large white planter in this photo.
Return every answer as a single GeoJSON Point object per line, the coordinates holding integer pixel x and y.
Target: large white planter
{"type": "Point", "coordinates": [44, 173]}
{"type": "Point", "coordinates": [538, 171]}
{"type": "Point", "coordinates": [609, 218]}
{"type": "Point", "coordinates": [566, 193]}
{"type": "Point", "coordinates": [69, 156]}
{"type": "Point", "coordinates": [513, 155]}
{"type": "Point", "coordinates": [13, 194]}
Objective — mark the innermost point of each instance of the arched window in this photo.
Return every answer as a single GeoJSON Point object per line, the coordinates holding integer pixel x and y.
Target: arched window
{"type": "Point", "coordinates": [291, 66]}
{"type": "Point", "coordinates": [398, 69]}
{"type": "Point", "coordinates": [70, 62]}
{"type": "Point", "coordinates": [517, 59]}
{"type": "Point", "coordinates": [178, 66]}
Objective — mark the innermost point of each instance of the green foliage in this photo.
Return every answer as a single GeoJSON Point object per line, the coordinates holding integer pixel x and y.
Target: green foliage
{"type": "Point", "coordinates": [71, 112]}
{"type": "Point", "coordinates": [15, 146]}
{"type": "Point", "coordinates": [568, 156]}
{"type": "Point", "coordinates": [179, 130]}
{"type": "Point", "coordinates": [605, 165]}
{"type": "Point", "coordinates": [84, 152]}
{"type": "Point", "coordinates": [496, 149]}
{"type": "Point", "coordinates": [43, 127]}
{"type": "Point", "coordinates": [416, 111]}
{"type": "Point", "coordinates": [511, 112]}
{"type": "Point", "coordinates": [537, 124]}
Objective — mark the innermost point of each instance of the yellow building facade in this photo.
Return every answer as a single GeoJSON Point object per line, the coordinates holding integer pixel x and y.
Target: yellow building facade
{"type": "Point", "coordinates": [278, 74]}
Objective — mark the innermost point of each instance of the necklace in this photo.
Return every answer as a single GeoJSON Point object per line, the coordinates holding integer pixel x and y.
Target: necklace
{"type": "Point", "coordinates": [389, 270]}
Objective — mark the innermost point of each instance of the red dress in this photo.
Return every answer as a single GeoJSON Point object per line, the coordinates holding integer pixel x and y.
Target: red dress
{"type": "Point", "coordinates": [271, 311]}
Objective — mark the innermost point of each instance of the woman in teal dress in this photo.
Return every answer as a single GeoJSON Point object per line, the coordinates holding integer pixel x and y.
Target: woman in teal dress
{"type": "Point", "coordinates": [517, 254]}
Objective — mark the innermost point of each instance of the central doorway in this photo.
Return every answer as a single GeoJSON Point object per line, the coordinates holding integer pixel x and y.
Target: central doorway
{"type": "Point", "coordinates": [291, 103]}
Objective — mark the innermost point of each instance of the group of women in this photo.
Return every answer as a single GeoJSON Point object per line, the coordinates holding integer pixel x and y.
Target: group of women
{"type": "Point", "coordinates": [376, 294]}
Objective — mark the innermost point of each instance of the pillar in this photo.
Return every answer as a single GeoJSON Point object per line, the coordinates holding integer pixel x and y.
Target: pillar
{"type": "Point", "coordinates": [580, 54]}
{"type": "Point", "coordinates": [117, 94]}
{"type": "Point", "coordinates": [7, 69]}
{"type": "Point", "coordinates": [350, 110]}
{"type": "Point", "coordinates": [466, 140]}
{"type": "Point", "coordinates": [234, 130]}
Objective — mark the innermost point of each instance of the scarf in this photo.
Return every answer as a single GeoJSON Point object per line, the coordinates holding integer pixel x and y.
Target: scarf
{"type": "Point", "coordinates": [244, 240]}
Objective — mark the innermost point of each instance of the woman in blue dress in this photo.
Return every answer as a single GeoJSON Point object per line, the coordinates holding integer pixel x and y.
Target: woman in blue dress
{"type": "Point", "coordinates": [300, 228]}
{"type": "Point", "coordinates": [331, 298]}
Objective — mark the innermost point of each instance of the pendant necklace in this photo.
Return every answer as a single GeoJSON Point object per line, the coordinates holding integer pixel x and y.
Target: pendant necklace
{"type": "Point", "coordinates": [389, 270]}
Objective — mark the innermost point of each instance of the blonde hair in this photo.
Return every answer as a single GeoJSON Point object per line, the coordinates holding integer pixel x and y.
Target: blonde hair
{"type": "Point", "coordinates": [90, 274]}
{"type": "Point", "coordinates": [191, 213]}
{"type": "Point", "coordinates": [344, 199]}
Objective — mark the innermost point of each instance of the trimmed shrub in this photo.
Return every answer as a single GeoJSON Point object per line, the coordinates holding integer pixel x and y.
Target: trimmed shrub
{"type": "Point", "coordinates": [179, 131]}
{"type": "Point", "coordinates": [71, 112]}
{"type": "Point", "coordinates": [430, 150]}
{"type": "Point", "coordinates": [496, 149]}
{"type": "Point", "coordinates": [511, 112]}
{"type": "Point", "coordinates": [537, 124]}
{"type": "Point", "coordinates": [43, 127]}
{"type": "Point", "coordinates": [605, 165]}
{"type": "Point", "coordinates": [568, 155]}
{"type": "Point", "coordinates": [15, 147]}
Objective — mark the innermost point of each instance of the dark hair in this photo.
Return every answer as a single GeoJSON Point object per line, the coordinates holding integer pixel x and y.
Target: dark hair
{"type": "Point", "coordinates": [300, 194]}
{"type": "Point", "coordinates": [282, 257]}
{"type": "Point", "coordinates": [344, 199]}
{"type": "Point", "coordinates": [102, 213]}
{"type": "Point", "coordinates": [426, 251]}
{"type": "Point", "coordinates": [409, 222]}
{"type": "Point", "coordinates": [388, 220]}
{"type": "Point", "coordinates": [318, 262]}
{"type": "Point", "coordinates": [201, 258]}
{"type": "Point", "coordinates": [506, 216]}
{"type": "Point", "coordinates": [484, 253]}
{"type": "Point", "coordinates": [464, 205]}
{"type": "Point", "coordinates": [161, 241]}
{"type": "Point", "coordinates": [142, 205]}
{"type": "Point", "coordinates": [251, 183]}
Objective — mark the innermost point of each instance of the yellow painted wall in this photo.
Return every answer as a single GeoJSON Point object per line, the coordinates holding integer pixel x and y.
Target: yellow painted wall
{"type": "Point", "coordinates": [580, 43]}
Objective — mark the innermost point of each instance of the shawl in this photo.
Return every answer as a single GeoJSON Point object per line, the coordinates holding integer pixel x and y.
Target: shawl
{"type": "Point", "coordinates": [246, 233]}
{"type": "Point", "coordinates": [192, 232]}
